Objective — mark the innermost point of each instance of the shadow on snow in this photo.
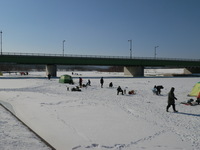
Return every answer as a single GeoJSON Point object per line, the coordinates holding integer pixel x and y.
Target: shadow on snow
{"type": "Point", "coordinates": [196, 115]}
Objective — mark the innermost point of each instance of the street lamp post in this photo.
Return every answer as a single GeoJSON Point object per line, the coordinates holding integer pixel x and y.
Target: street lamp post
{"type": "Point", "coordinates": [155, 51]}
{"type": "Point", "coordinates": [63, 47]}
{"type": "Point", "coordinates": [1, 41]}
{"type": "Point", "coordinates": [130, 48]}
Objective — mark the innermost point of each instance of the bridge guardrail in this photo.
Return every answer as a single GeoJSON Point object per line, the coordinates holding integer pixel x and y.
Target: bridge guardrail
{"type": "Point", "coordinates": [96, 56]}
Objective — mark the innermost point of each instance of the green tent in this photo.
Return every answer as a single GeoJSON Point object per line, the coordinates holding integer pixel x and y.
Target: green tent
{"type": "Point", "coordinates": [195, 90]}
{"type": "Point", "coordinates": [66, 79]}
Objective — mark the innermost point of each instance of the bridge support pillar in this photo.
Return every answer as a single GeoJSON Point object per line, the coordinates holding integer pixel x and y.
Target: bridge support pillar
{"type": "Point", "coordinates": [136, 71]}
{"type": "Point", "coordinates": [52, 70]}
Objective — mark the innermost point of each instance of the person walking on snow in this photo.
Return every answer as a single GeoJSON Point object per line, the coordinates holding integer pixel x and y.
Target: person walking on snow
{"type": "Point", "coordinates": [101, 81]}
{"type": "Point", "coordinates": [171, 100]}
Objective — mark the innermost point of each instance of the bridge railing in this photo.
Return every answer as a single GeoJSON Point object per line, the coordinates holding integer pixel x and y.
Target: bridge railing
{"type": "Point", "coordinates": [96, 56]}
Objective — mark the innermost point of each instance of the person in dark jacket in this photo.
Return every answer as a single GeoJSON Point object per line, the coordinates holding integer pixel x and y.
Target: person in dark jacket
{"type": "Point", "coordinates": [119, 89]}
{"type": "Point", "coordinates": [80, 81]}
{"type": "Point", "coordinates": [171, 100]}
{"type": "Point", "coordinates": [111, 85]}
{"type": "Point", "coordinates": [89, 82]}
{"type": "Point", "coordinates": [101, 81]}
{"type": "Point", "coordinates": [49, 76]}
{"type": "Point", "coordinates": [159, 87]}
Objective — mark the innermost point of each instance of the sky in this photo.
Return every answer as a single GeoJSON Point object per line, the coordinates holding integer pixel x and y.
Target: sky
{"type": "Point", "coordinates": [102, 27]}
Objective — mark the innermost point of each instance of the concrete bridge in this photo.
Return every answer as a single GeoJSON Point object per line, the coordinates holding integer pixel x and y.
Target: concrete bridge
{"type": "Point", "coordinates": [132, 66]}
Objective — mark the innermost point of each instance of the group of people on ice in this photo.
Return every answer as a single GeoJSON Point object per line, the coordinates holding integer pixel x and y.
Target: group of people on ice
{"type": "Point", "coordinates": [119, 89]}
{"type": "Point", "coordinates": [84, 85]}
{"type": "Point", "coordinates": [171, 98]}
{"type": "Point", "coordinates": [156, 90]}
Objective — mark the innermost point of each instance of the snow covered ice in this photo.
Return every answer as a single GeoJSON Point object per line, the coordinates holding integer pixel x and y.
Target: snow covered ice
{"type": "Point", "coordinates": [98, 118]}
{"type": "Point", "coordinates": [15, 136]}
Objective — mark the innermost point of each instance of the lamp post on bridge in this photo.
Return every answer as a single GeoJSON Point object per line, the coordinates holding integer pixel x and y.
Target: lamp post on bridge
{"type": "Point", "coordinates": [63, 46]}
{"type": "Point", "coordinates": [130, 48]}
{"type": "Point", "coordinates": [155, 51]}
{"type": "Point", "coordinates": [1, 41]}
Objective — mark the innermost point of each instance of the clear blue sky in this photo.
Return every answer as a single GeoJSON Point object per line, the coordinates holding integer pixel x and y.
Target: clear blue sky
{"type": "Point", "coordinates": [102, 27]}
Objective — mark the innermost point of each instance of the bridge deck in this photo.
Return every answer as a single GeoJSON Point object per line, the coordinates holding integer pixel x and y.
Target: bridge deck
{"type": "Point", "coordinates": [32, 58]}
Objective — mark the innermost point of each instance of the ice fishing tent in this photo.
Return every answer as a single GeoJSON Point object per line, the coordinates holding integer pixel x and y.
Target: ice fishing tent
{"type": "Point", "coordinates": [66, 79]}
{"type": "Point", "coordinates": [195, 90]}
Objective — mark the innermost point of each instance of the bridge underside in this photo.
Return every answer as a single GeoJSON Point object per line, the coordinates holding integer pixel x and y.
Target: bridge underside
{"type": "Point", "coordinates": [52, 70]}
{"type": "Point", "coordinates": [134, 71]}
{"type": "Point", "coordinates": [138, 71]}
{"type": "Point", "coordinates": [191, 70]}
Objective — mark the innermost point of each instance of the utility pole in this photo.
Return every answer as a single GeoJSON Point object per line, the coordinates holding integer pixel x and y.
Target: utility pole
{"type": "Point", "coordinates": [130, 48]}
{"type": "Point", "coordinates": [1, 41]}
{"type": "Point", "coordinates": [63, 46]}
{"type": "Point", "coordinates": [155, 51]}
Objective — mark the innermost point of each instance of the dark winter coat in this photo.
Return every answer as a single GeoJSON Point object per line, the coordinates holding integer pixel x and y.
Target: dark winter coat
{"type": "Point", "coordinates": [80, 81]}
{"type": "Point", "coordinates": [111, 84]}
{"type": "Point", "coordinates": [119, 89]}
{"type": "Point", "coordinates": [101, 81]}
{"type": "Point", "coordinates": [171, 97]}
{"type": "Point", "coordinates": [159, 89]}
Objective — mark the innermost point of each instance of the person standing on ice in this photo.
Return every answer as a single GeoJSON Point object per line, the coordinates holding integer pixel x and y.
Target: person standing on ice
{"type": "Point", "coordinates": [101, 81]}
{"type": "Point", "coordinates": [80, 82]}
{"type": "Point", "coordinates": [171, 100]}
{"type": "Point", "coordinates": [49, 76]}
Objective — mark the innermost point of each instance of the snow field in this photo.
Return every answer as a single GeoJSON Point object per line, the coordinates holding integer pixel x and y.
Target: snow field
{"type": "Point", "coordinates": [98, 118]}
